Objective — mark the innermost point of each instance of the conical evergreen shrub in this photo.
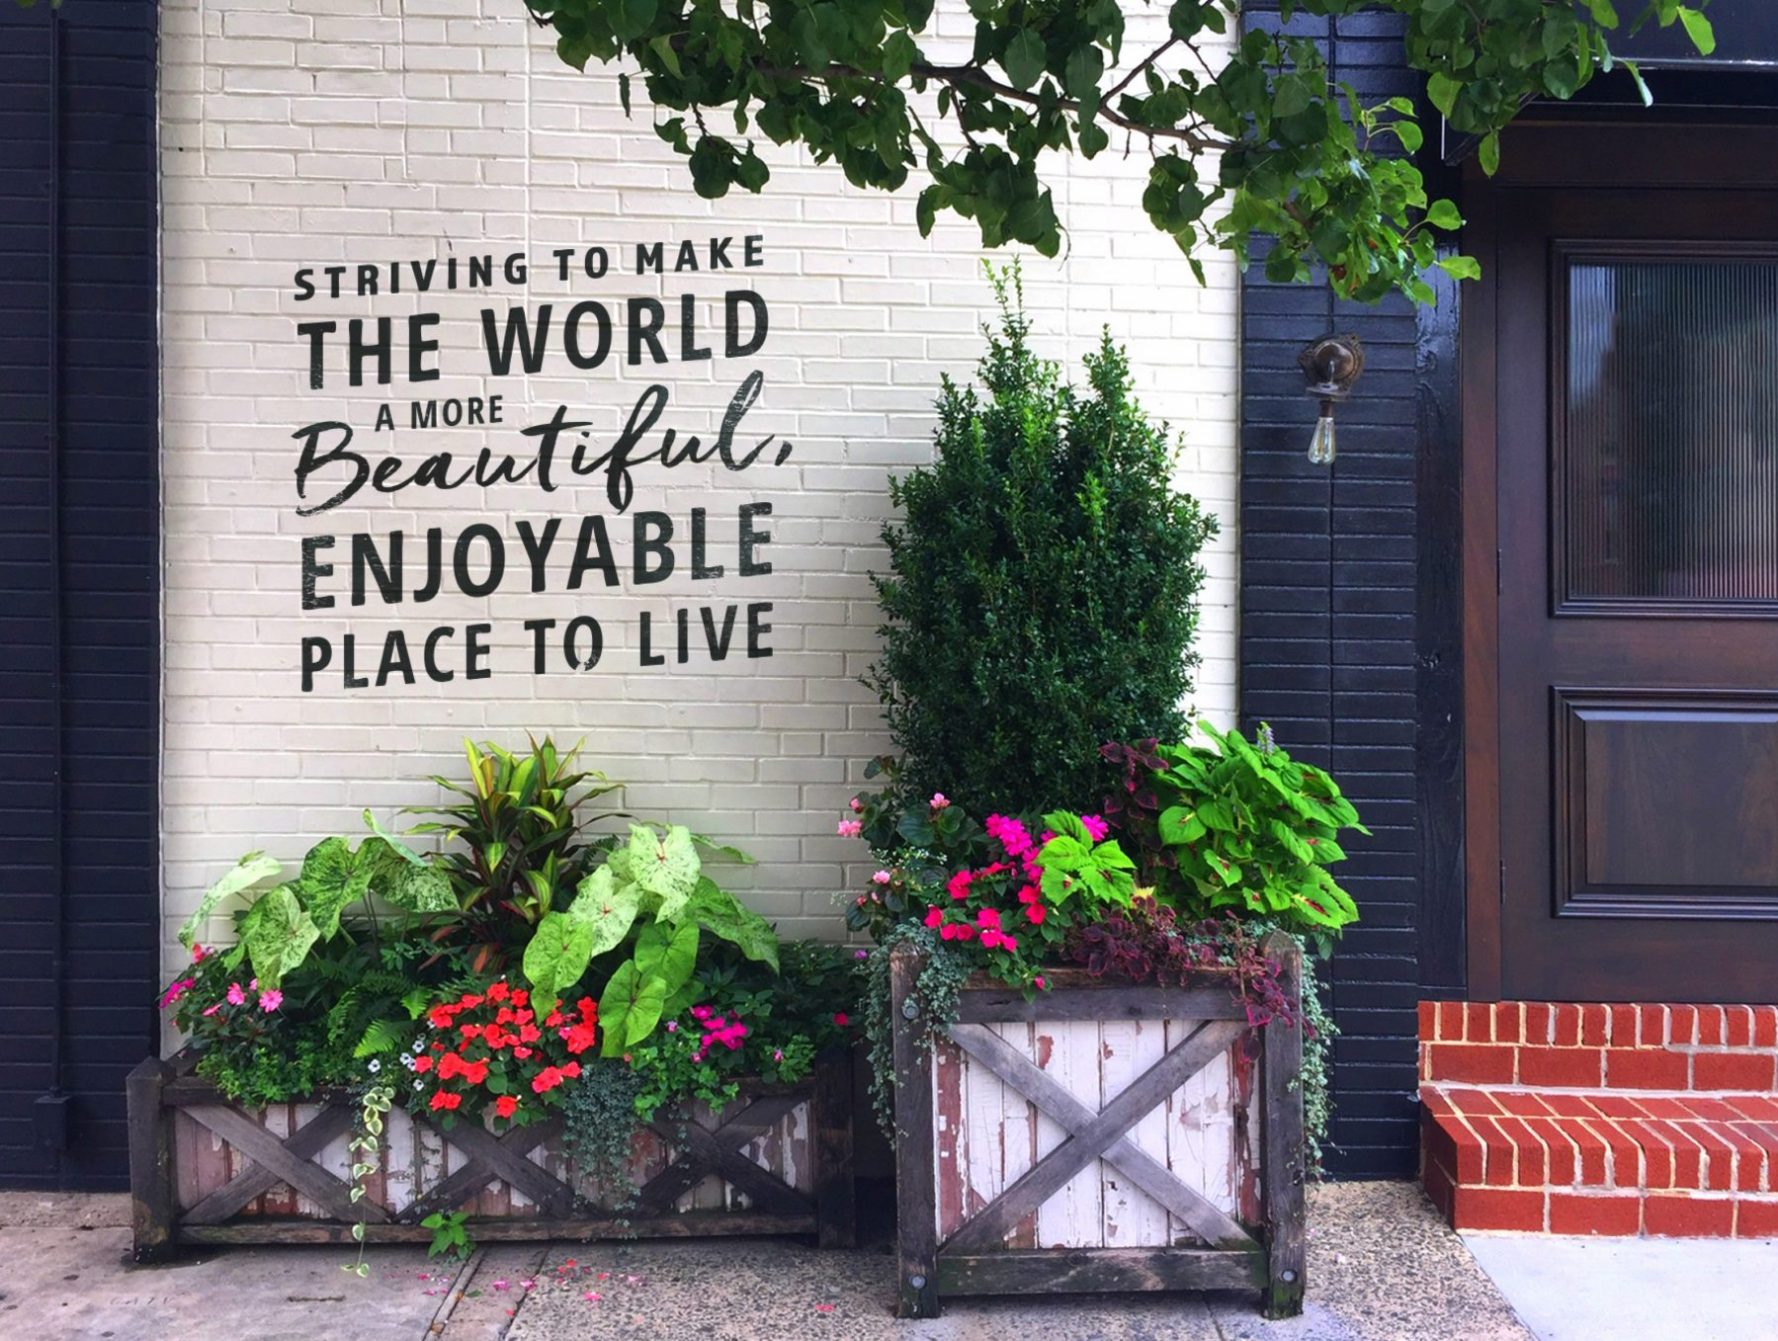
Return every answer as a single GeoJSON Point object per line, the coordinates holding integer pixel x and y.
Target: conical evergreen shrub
{"type": "Point", "coordinates": [1044, 582]}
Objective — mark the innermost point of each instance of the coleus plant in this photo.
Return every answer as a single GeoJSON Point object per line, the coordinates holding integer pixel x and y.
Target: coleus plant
{"type": "Point", "coordinates": [646, 909]}
{"type": "Point", "coordinates": [282, 922]}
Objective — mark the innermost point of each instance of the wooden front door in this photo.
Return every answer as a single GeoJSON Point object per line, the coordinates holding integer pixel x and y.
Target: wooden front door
{"type": "Point", "coordinates": [1635, 385]}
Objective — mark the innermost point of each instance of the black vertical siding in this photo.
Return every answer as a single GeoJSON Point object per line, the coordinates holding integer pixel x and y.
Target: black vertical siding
{"type": "Point", "coordinates": [1328, 629]}
{"type": "Point", "coordinates": [79, 584]}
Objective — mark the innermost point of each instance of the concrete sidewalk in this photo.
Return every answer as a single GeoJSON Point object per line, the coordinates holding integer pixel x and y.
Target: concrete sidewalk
{"type": "Point", "coordinates": [1381, 1268]}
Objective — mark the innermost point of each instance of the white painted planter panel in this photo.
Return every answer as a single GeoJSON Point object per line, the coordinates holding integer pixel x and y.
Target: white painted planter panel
{"type": "Point", "coordinates": [987, 1134]}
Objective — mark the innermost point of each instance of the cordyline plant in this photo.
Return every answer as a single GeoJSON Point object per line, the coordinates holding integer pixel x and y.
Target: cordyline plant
{"type": "Point", "coordinates": [1255, 140]}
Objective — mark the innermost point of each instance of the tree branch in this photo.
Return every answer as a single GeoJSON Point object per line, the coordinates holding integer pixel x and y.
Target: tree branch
{"type": "Point", "coordinates": [973, 76]}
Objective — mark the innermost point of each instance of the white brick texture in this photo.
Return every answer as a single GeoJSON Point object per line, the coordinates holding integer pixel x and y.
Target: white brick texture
{"type": "Point", "coordinates": [308, 133]}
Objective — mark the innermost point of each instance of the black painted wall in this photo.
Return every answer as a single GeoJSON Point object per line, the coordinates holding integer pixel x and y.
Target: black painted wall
{"type": "Point", "coordinates": [79, 578]}
{"type": "Point", "coordinates": [1329, 564]}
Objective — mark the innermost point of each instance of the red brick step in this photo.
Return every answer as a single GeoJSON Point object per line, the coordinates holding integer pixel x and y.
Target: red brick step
{"type": "Point", "coordinates": [1566, 1119]}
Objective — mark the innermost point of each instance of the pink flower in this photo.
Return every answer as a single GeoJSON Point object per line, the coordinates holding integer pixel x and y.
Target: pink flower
{"type": "Point", "coordinates": [177, 990]}
{"type": "Point", "coordinates": [850, 828]}
{"type": "Point", "coordinates": [236, 997]}
{"type": "Point", "coordinates": [988, 917]}
{"type": "Point", "coordinates": [940, 801]}
{"type": "Point", "coordinates": [958, 885]}
{"type": "Point", "coordinates": [672, 1026]}
{"type": "Point", "coordinates": [857, 806]}
{"type": "Point", "coordinates": [1040, 984]}
{"type": "Point", "coordinates": [271, 999]}
{"type": "Point", "coordinates": [1095, 827]}
{"type": "Point", "coordinates": [1010, 834]}
{"type": "Point", "coordinates": [212, 1010]}
{"type": "Point", "coordinates": [777, 1054]}
{"type": "Point", "coordinates": [935, 917]}
{"type": "Point", "coordinates": [881, 878]}
{"type": "Point", "coordinates": [198, 954]}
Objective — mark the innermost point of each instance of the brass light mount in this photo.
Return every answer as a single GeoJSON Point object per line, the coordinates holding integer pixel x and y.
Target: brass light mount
{"type": "Point", "coordinates": [1331, 367]}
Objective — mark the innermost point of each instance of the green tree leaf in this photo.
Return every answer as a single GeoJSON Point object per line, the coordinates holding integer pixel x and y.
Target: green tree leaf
{"type": "Point", "coordinates": [1697, 27]}
{"type": "Point", "coordinates": [1025, 58]}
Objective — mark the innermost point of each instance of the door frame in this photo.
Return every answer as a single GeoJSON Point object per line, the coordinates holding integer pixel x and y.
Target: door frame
{"type": "Point", "coordinates": [1629, 154]}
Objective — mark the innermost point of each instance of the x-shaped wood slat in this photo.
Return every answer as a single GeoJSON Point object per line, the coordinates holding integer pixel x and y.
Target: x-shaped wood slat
{"type": "Point", "coordinates": [719, 1152]}
{"type": "Point", "coordinates": [492, 1157]}
{"type": "Point", "coordinates": [1093, 1136]}
{"type": "Point", "coordinates": [284, 1160]}
{"type": "Point", "coordinates": [305, 1143]}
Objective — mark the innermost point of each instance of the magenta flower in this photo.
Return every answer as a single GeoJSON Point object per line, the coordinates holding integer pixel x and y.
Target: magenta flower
{"type": "Point", "coordinates": [1095, 827]}
{"type": "Point", "coordinates": [177, 990]}
{"type": "Point", "coordinates": [236, 997]}
{"type": "Point", "coordinates": [271, 999]}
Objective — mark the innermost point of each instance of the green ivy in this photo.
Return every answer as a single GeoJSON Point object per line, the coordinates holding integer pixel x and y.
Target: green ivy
{"type": "Point", "coordinates": [1259, 139]}
{"type": "Point", "coordinates": [1044, 584]}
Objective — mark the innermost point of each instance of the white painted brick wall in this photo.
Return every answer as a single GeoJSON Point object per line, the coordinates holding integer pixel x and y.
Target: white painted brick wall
{"type": "Point", "coordinates": [309, 132]}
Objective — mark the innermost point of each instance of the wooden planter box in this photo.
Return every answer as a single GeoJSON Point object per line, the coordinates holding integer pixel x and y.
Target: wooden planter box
{"type": "Point", "coordinates": [204, 1170]}
{"type": "Point", "coordinates": [1103, 1137]}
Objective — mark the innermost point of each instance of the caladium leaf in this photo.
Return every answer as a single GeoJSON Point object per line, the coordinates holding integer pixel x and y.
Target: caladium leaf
{"type": "Point", "coordinates": [607, 907]}
{"type": "Point", "coordinates": [666, 865]}
{"type": "Point", "coordinates": [669, 955]}
{"type": "Point", "coordinates": [721, 914]}
{"type": "Point", "coordinates": [629, 1008]}
{"type": "Point", "coordinates": [277, 932]}
{"type": "Point", "coordinates": [334, 877]}
{"type": "Point", "coordinates": [253, 869]}
{"type": "Point", "coordinates": [558, 954]}
{"type": "Point", "coordinates": [419, 889]}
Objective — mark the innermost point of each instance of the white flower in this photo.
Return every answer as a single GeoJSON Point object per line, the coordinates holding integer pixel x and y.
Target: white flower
{"type": "Point", "coordinates": [374, 1066]}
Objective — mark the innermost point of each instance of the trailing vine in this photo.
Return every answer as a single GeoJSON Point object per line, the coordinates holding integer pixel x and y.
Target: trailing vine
{"type": "Point", "coordinates": [1319, 1032]}
{"type": "Point", "coordinates": [599, 1128]}
{"type": "Point", "coordinates": [936, 991]}
{"type": "Point", "coordinates": [374, 1103]}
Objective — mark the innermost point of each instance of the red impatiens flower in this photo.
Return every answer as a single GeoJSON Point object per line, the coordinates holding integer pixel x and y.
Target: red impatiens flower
{"type": "Point", "coordinates": [446, 1100]}
{"type": "Point", "coordinates": [842, 1019]}
{"type": "Point", "coordinates": [546, 1079]}
{"type": "Point", "coordinates": [422, 1064]}
{"type": "Point", "coordinates": [505, 1106]}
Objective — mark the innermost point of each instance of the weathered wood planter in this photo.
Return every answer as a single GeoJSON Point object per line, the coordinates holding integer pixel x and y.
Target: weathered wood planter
{"type": "Point", "coordinates": [1104, 1137]}
{"type": "Point", "coordinates": [204, 1170]}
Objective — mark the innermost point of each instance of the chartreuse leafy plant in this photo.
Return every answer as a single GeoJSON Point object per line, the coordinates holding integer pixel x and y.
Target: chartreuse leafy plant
{"type": "Point", "coordinates": [1251, 831]}
{"type": "Point", "coordinates": [646, 908]}
{"type": "Point", "coordinates": [1252, 139]}
{"type": "Point", "coordinates": [281, 925]}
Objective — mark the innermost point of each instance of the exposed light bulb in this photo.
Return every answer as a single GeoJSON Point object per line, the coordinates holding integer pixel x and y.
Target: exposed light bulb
{"type": "Point", "coordinates": [1321, 444]}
